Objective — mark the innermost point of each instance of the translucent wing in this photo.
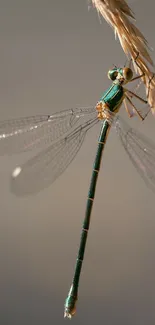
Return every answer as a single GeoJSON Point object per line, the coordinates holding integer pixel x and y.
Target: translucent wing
{"type": "Point", "coordinates": [23, 134]}
{"type": "Point", "coordinates": [140, 150]}
{"type": "Point", "coordinates": [40, 171]}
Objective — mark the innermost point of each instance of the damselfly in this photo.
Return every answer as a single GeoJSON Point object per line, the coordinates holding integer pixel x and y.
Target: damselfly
{"type": "Point", "coordinates": [61, 135]}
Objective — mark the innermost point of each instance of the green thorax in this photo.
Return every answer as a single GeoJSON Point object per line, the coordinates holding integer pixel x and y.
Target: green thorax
{"type": "Point", "coordinates": [113, 96]}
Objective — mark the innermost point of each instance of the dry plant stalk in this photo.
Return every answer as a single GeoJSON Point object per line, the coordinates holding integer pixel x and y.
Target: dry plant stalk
{"type": "Point", "coordinates": [119, 15]}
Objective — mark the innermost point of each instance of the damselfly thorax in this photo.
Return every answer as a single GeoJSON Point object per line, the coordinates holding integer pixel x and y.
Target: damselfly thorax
{"type": "Point", "coordinates": [114, 96]}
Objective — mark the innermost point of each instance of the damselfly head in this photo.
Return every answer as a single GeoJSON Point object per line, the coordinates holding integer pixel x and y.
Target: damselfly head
{"type": "Point", "coordinates": [127, 74]}
{"type": "Point", "coordinates": [112, 74]}
{"type": "Point", "coordinates": [123, 75]}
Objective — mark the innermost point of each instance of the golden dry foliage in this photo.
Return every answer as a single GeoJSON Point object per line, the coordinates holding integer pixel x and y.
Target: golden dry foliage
{"type": "Point", "coordinates": [118, 14]}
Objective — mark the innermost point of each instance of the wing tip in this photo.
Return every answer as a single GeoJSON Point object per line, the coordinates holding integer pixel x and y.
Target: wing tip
{"type": "Point", "coordinates": [16, 172]}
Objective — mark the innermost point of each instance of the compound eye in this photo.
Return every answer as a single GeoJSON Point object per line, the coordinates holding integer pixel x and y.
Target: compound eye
{"type": "Point", "coordinates": [127, 74]}
{"type": "Point", "coordinates": [112, 74]}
